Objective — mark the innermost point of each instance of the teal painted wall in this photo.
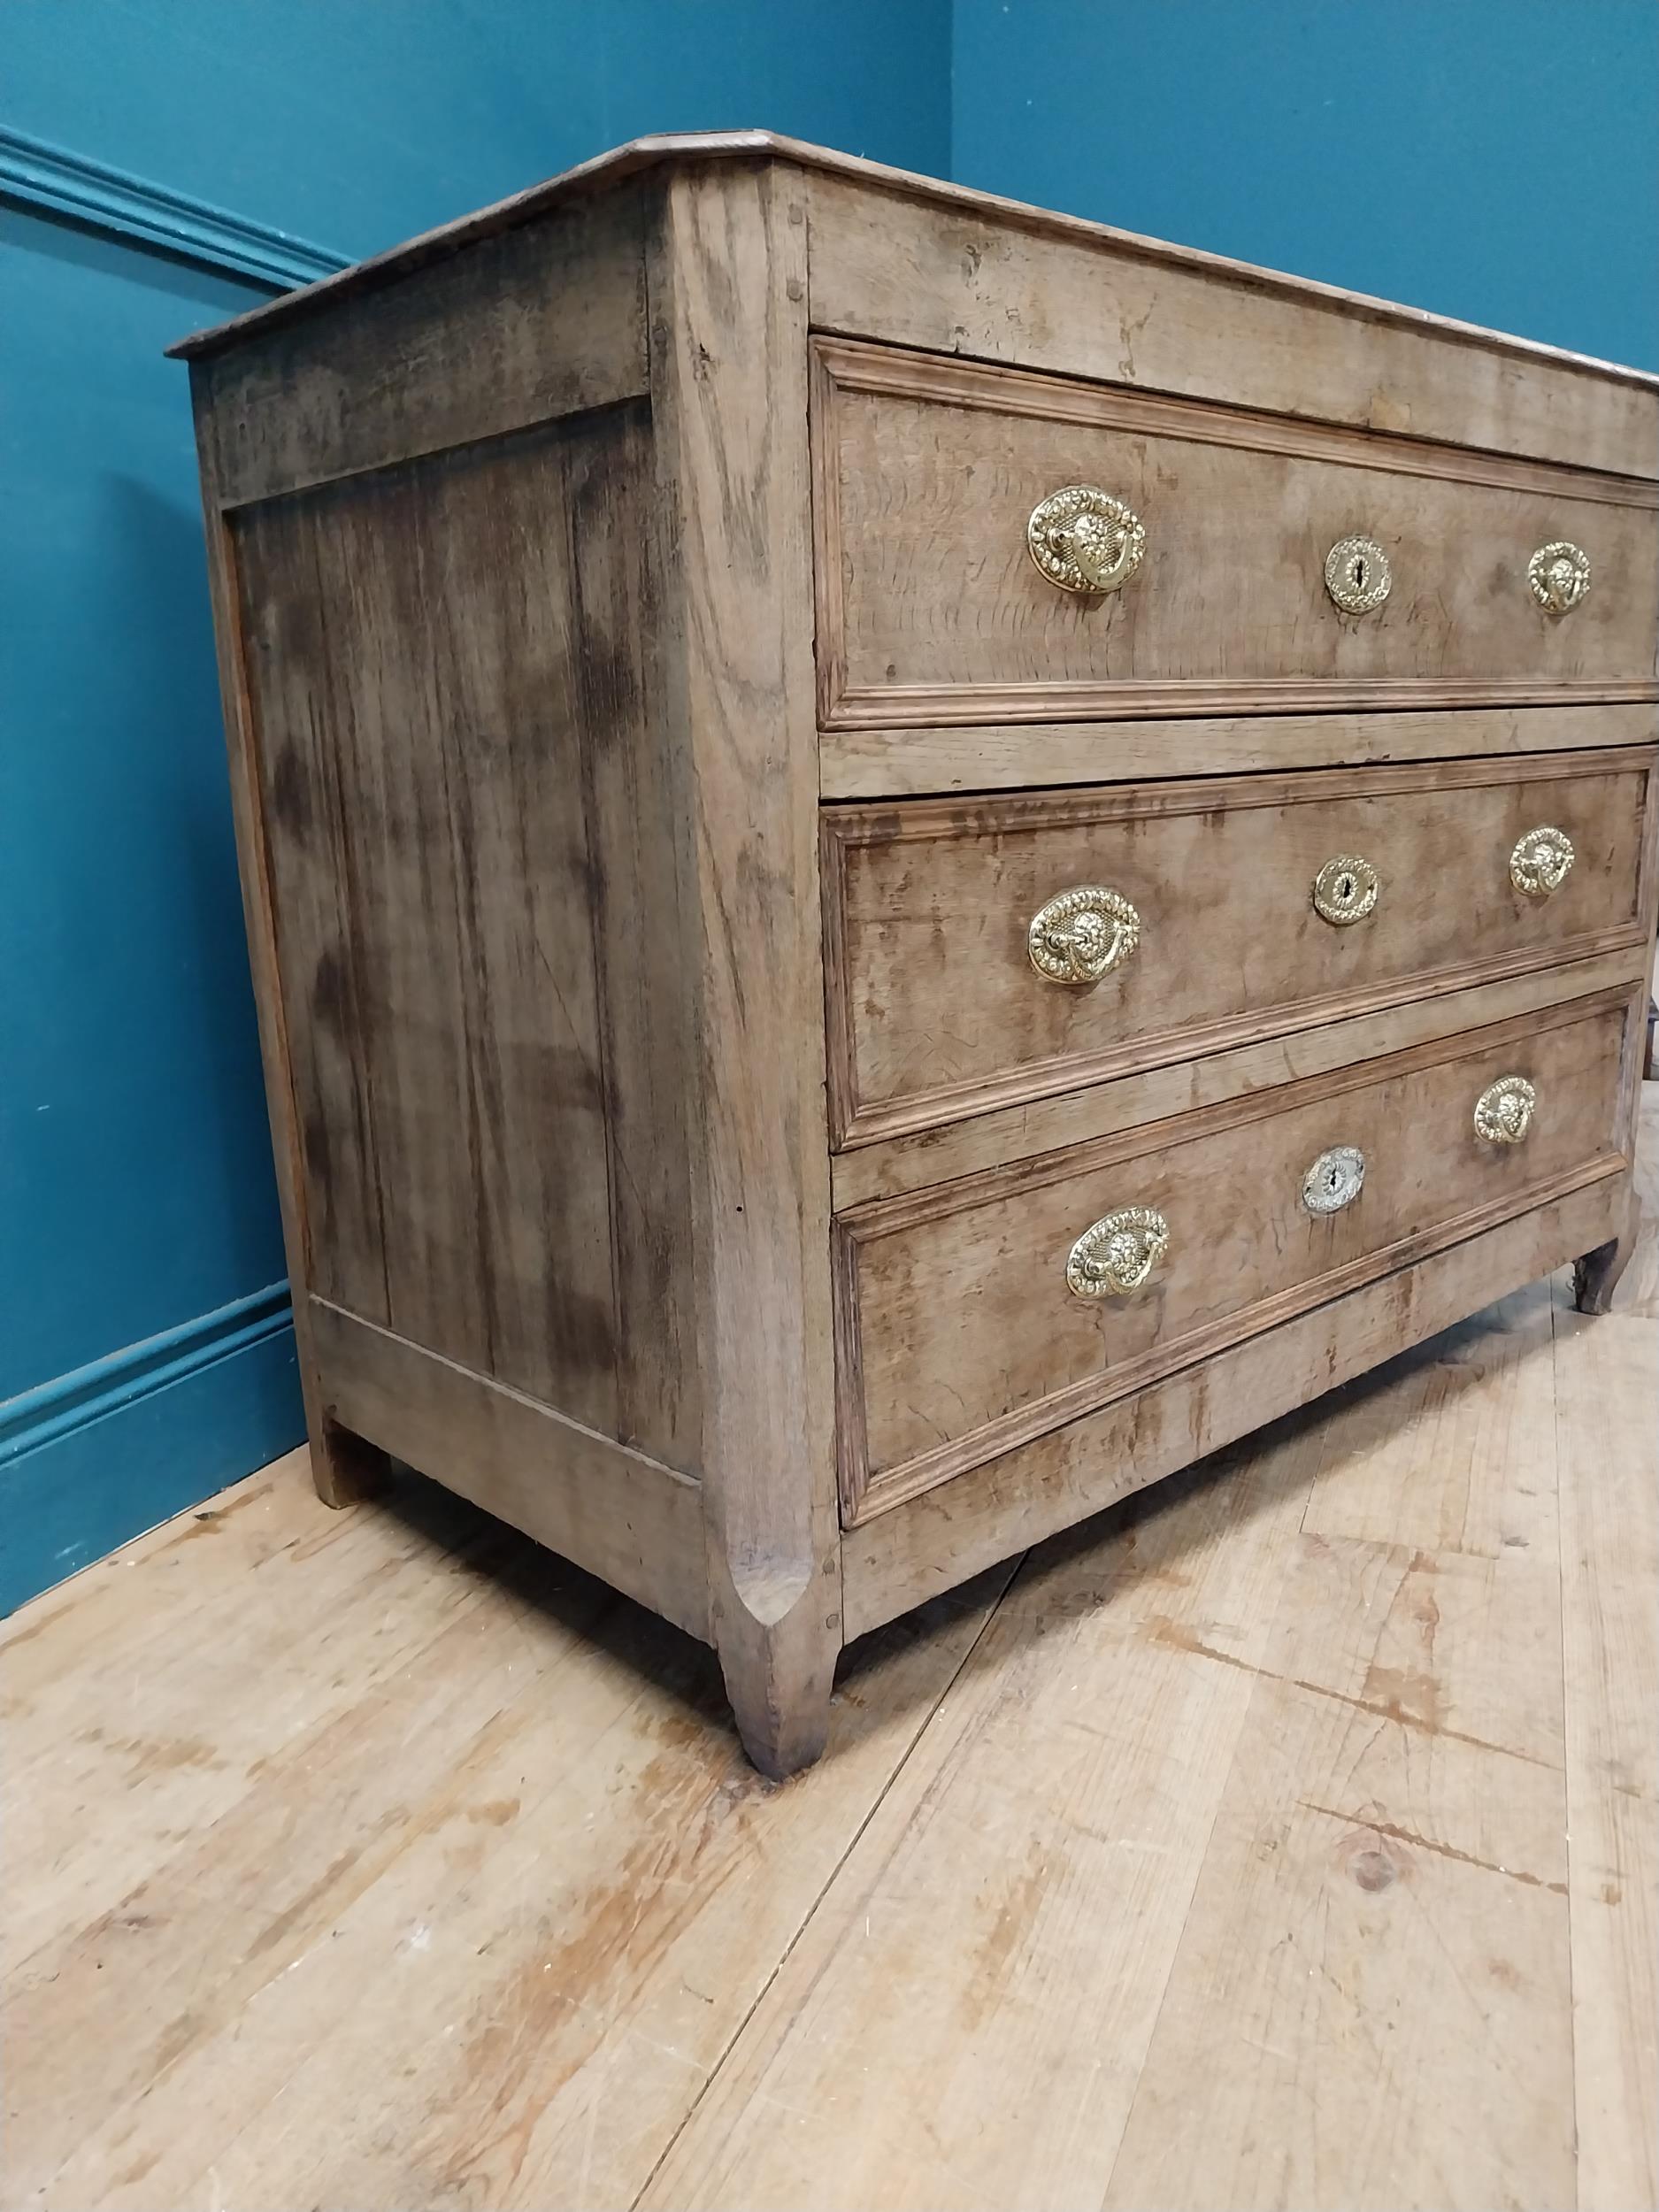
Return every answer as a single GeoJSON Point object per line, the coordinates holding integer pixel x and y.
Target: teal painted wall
{"type": "Point", "coordinates": [359, 122]}
{"type": "Point", "coordinates": [135, 1186]}
{"type": "Point", "coordinates": [145, 1357]}
{"type": "Point", "coordinates": [1497, 160]}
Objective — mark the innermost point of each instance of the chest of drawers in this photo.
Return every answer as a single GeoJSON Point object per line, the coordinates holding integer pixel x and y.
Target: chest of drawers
{"type": "Point", "coordinates": [908, 861]}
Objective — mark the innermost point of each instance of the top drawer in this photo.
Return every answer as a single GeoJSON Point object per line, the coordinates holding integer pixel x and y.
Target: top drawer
{"type": "Point", "coordinates": [932, 609]}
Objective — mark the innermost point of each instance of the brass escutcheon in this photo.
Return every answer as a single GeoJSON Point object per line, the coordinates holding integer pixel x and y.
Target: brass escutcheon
{"type": "Point", "coordinates": [1357, 575]}
{"type": "Point", "coordinates": [1334, 1180]}
{"type": "Point", "coordinates": [1345, 890]}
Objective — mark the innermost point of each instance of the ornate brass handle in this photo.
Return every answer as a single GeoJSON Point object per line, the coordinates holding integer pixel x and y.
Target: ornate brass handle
{"type": "Point", "coordinates": [1540, 861]}
{"type": "Point", "coordinates": [1116, 1254]}
{"type": "Point", "coordinates": [1081, 934]}
{"type": "Point", "coordinates": [1559, 574]}
{"type": "Point", "coordinates": [1503, 1111]}
{"type": "Point", "coordinates": [1357, 575]}
{"type": "Point", "coordinates": [1334, 1180]}
{"type": "Point", "coordinates": [1345, 890]}
{"type": "Point", "coordinates": [1084, 539]}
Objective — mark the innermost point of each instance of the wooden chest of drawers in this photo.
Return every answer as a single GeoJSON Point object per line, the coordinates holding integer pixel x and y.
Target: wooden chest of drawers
{"type": "Point", "coordinates": [908, 861]}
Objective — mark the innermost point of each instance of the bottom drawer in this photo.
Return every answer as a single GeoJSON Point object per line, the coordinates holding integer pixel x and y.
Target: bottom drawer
{"type": "Point", "coordinates": [975, 1315]}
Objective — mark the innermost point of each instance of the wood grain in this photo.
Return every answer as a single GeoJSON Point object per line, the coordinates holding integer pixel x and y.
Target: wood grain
{"type": "Point", "coordinates": [416, 1868]}
{"type": "Point", "coordinates": [418, 647]}
{"type": "Point", "coordinates": [930, 1540]}
{"type": "Point", "coordinates": [900, 763]}
{"type": "Point", "coordinates": [628, 1518]}
{"type": "Point", "coordinates": [1458, 1453]}
{"type": "Point", "coordinates": [998, 1942]}
{"type": "Point", "coordinates": [938, 613]}
{"type": "Point", "coordinates": [1055, 699]}
{"type": "Point", "coordinates": [906, 257]}
{"type": "Point", "coordinates": [535, 324]}
{"type": "Point", "coordinates": [935, 1010]}
{"type": "Point", "coordinates": [961, 275]}
{"type": "Point", "coordinates": [513, 537]}
{"type": "Point", "coordinates": [958, 1148]}
{"type": "Point", "coordinates": [525, 1890]}
{"type": "Point", "coordinates": [1607, 1384]}
{"type": "Point", "coordinates": [966, 1341]}
{"type": "Point", "coordinates": [728, 314]}
{"type": "Point", "coordinates": [68, 1668]}
{"type": "Point", "coordinates": [343, 1467]}
{"type": "Point", "coordinates": [1421, 1840]}
{"type": "Point", "coordinates": [1638, 1289]}
{"type": "Point", "coordinates": [872, 370]}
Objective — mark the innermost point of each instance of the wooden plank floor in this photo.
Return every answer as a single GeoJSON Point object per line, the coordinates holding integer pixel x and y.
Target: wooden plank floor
{"type": "Point", "coordinates": [1287, 1837]}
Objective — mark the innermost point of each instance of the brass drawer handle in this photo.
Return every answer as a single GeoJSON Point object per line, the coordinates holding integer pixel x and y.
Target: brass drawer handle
{"type": "Point", "coordinates": [1081, 934]}
{"type": "Point", "coordinates": [1116, 1254]}
{"type": "Point", "coordinates": [1503, 1111]}
{"type": "Point", "coordinates": [1345, 890]}
{"type": "Point", "coordinates": [1540, 861]}
{"type": "Point", "coordinates": [1357, 575]}
{"type": "Point", "coordinates": [1559, 574]}
{"type": "Point", "coordinates": [1334, 1180]}
{"type": "Point", "coordinates": [1084, 539]}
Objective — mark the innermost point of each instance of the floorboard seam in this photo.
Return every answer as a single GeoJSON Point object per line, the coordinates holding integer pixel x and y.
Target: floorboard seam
{"type": "Point", "coordinates": [830, 1880]}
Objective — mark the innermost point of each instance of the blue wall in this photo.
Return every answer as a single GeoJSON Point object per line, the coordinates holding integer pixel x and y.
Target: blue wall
{"type": "Point", "coordinates": [1497, 160]}
{"type": "Point", "coordinates": [145, 1356]}
{"type": "Point", "coordinates": [359, 122]}
{"type": "Point", "coordinates": [1494, 160]}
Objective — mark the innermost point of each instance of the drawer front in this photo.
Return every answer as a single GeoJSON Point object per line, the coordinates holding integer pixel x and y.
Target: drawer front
{"type": "Point", "coordinates": [975, 1316]}
{"type": "Point", "coordinates": [932, 609]}
{"type": "Point", "coordinates": [937, 1009]}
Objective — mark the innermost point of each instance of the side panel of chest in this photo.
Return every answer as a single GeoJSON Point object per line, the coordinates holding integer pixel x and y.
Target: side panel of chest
{"type": "Point", "coordinates": [449, 669]}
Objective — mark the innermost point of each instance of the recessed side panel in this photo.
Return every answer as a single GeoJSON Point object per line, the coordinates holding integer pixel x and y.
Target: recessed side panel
{"type": "Point", "coordinates": [448, 683]}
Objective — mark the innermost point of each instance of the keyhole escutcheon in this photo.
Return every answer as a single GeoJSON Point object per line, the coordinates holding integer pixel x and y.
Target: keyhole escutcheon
{"type": "Point", "coordinates": [1357, 575]}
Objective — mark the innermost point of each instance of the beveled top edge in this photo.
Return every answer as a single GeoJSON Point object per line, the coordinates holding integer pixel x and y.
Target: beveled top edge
{"type": "Point", "coordinates": [675, 146]}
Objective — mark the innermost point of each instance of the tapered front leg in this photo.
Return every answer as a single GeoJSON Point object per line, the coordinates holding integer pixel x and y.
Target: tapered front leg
{"type": "Point", "coordinates": [779, 1678]}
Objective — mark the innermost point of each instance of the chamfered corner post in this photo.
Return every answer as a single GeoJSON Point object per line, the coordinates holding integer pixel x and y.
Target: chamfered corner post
{"type": "Point", "coordinates": [727, 287]}
{"type": "Point", "coordinates": [344, 1466]}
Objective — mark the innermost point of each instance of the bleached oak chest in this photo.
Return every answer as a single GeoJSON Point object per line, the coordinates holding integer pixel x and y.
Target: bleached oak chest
{"type": "Point", "coordinates": [908, 861]}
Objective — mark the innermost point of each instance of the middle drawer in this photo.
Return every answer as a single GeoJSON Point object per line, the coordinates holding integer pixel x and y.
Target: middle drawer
{"type": "Point", "coordinates": [981, 952]}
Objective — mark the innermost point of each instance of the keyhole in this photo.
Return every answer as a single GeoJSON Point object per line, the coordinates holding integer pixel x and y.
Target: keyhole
{"type": "Point", "coordinates": [1359, 573]}
{"type": "Point", "coordinates": [1333, 1180]}
{"type": "Point", "coordinates": [1345, 888]}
